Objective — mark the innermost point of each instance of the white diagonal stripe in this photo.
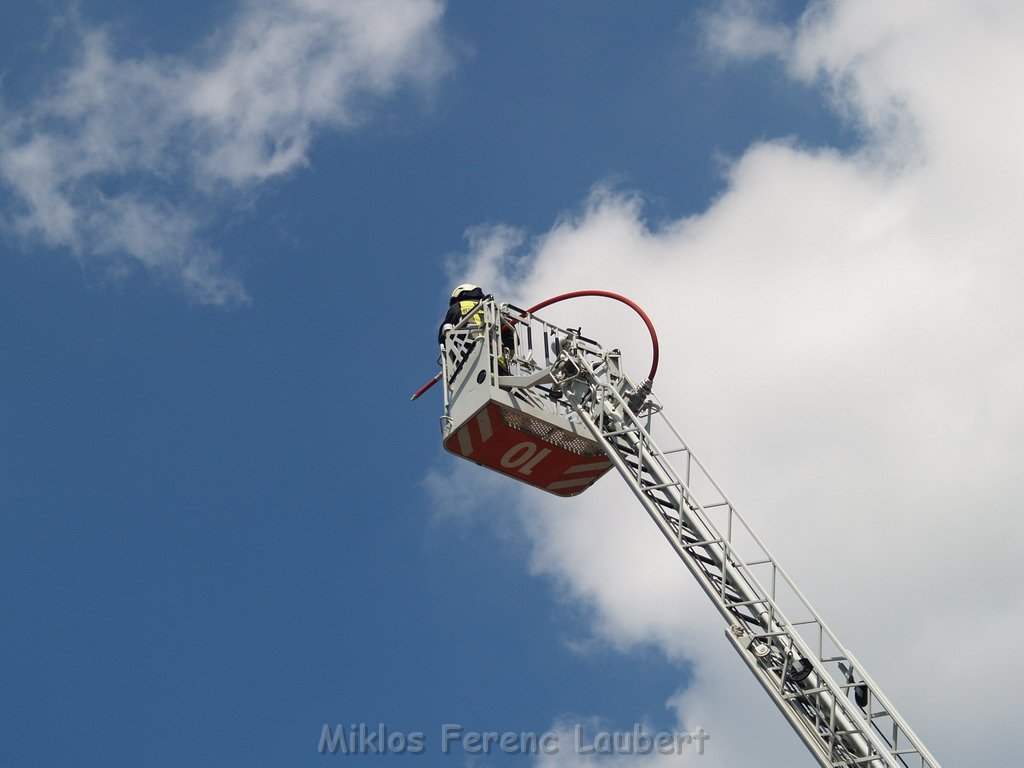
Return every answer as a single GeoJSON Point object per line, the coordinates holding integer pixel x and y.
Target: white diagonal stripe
{"type": "Point", "coordinates": [592, 467]}
{"type": "Point", "coordinates": [484, 420]}
{"type": "Point", "coordinates": [465, 442]}
{"type": "Point", "coordinates": [557, 485]}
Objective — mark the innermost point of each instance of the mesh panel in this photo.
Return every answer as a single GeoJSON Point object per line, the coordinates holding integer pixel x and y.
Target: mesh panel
{"type": "Point", "coordinates": [549, 433]}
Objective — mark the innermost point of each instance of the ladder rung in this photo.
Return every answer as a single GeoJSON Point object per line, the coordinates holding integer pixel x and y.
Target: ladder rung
{"type": "Point", "coordinates": [703, 543]}
{"type": "Point", "coordinates": [618, 432]}
{"type": "Point", "coordinates": [661, 486]}
{"type": "Point", "coordinates": [865, 759]}
{"type": "Point", "coordinates": [747, 602]}
{"type": "Point", "coordinates": [791, 696]}
{"type": "Point", "coordinates": [779, 633]}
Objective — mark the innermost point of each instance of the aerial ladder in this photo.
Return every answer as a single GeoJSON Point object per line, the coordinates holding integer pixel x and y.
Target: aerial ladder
{"type": "Point", "coordinates": [557, 411]}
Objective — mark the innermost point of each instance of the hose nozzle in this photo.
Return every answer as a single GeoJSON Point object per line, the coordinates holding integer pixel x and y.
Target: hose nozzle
{"type": "Point", "coordinates": [639, 398]}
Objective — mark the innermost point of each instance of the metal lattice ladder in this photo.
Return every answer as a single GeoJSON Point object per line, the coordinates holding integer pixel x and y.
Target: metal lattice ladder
{"type": "Point", "coordinates": [823, 691]}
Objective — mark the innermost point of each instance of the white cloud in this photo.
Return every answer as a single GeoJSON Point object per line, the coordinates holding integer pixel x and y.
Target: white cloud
{"type": "Point", "coordinates": [842, 343]}
{"type": "Point", "coordinates": [121, 160]}
{"type": "Point", "coordinates": [743, 29]}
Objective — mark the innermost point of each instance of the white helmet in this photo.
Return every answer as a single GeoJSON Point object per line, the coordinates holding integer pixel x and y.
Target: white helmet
{"type": "Point", "coordinates": [463, 288]}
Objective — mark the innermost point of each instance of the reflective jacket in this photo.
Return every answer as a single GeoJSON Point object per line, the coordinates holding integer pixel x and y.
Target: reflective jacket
{"type": "Point", "coordinates": [458, 308]}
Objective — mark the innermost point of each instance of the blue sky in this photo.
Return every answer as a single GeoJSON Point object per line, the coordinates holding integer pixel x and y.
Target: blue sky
{"type": "Point", "coordinates": [217, 532]}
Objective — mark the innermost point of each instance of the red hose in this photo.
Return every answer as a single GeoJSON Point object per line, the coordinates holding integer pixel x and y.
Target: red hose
{"type": "Point", "coordinates": [576, 295]}
{"type": "Point", "coordinates": [617, 297]}
{"type": "Point", "coordinates": [426, 386]}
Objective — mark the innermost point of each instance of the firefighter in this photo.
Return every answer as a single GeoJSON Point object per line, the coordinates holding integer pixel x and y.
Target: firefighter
{"type": "Point", "coordinates": [464, 298]}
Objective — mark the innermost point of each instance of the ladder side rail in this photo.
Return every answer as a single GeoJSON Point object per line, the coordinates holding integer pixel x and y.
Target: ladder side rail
{"type": "Point", "coordinates": [749, 584]}
{"type": "Point", "coordinates": [804, 725]}
{"type": "Point", "coordinates": [700, 521]}
{"type": "Point", "coordinates": [823, 749]}
{"type": "Point", "coordinates": [777, 569]}
{"type": "Point", "coordinates": [905, 731]}
{"type": "Point", "coordinates": [735, 514]}
{"type": "Point", "coordinates": [834, 665]}
{"type": "Point", "coordinates": [705, 527]}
